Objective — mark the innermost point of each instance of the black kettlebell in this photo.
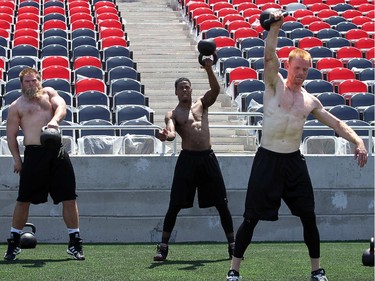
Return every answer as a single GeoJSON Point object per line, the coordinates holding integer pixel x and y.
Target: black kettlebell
{"type": "Point", "coordinates": [28, 239]}
{"type": "Point", "coordinates": [368, 255]}
{"type": "Point", "coordinates": [207, 48]}
{"type": "Point", "coordinates": [50, 137]}
{"type": "Point", "coordinates": [266, 18]}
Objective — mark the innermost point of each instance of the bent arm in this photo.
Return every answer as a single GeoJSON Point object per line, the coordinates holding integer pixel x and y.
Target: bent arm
{"type": "Point", "coordinates": [59, 107]}
{"type": "Point", "coordinates": [210, 96]}
{"type": "Point", "coordinates": [169, 132]}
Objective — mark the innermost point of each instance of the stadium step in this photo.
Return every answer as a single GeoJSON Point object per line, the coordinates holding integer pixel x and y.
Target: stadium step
{"type": "Point", "coordinates": [164, 49]}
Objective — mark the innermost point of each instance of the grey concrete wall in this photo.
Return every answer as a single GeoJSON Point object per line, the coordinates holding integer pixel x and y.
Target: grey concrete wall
{"type": "Point", "coordinates": [124, 199]}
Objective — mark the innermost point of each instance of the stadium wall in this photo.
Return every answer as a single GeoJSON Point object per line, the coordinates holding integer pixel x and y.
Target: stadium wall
{"type": "Point", "coordinates": [124, 199]}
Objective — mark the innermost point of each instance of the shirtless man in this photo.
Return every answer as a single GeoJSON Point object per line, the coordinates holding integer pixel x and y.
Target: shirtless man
{"type": "Point", "coordinates": [279, 170]}
{"type": "Point", "coordinates": [197, 166]}
{"type": "Point", "coordinates": [44, 170]}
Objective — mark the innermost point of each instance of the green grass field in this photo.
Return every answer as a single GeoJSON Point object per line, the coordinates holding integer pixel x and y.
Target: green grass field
{"type": "Point", "coordinates": [186, 262]}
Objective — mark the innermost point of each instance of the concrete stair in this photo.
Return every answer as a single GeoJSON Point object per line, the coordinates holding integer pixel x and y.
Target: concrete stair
{"type": "Point", "coordinates": [164, 48]}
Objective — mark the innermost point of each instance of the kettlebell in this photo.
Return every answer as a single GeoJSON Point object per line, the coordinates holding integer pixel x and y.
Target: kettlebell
{"type": "Point", "coordinates": [50, 137]}
{"type": "Point", "coordinates": [266, 18]}
{"type": "Point", "coordinates": [368, 255]}
{"type": "Point", "coordinates": [207, 47]}
{"type": "Point", "coordinates": [28, 239]}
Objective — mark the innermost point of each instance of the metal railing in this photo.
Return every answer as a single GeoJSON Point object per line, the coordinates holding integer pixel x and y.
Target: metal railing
{"type": "Point", "coordinates": [244, 116]}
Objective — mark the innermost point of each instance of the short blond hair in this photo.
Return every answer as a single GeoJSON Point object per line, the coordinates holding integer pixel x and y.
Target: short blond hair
{"type": "Point", "coordinates": [299, 53]}
{"type": "Point", "coordinates": [29, 70]}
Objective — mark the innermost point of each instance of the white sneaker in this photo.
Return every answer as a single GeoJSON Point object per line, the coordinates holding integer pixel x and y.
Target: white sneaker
{"type": "Point", "coordinates": [318, 275]}
{"type": "Point", "coordinates": [233, 275]}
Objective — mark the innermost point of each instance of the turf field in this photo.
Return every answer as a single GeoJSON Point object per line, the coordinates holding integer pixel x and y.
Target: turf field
{"type": "Point", "coordinates": [186, 262]}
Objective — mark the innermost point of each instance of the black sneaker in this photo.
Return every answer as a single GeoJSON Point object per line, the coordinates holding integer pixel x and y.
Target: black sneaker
{"type": "Point", "coordinates": [13, 250]}
{"type": "Point", "coordinates": [233, 275]}
{"type": "Point", "coordinates": [318, 275]}
{"type": "Point", "coordinates": [161, 253]}
{"type": "Point", "coordinates": [75, 249]}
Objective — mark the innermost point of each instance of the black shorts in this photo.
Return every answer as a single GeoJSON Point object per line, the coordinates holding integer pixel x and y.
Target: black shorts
{"type": "Point", "coordinates": [275, 176]}
{"type": "Point", "coordinates": [197, 170]}
{"type": "Point", "coordinates": [46, 171]}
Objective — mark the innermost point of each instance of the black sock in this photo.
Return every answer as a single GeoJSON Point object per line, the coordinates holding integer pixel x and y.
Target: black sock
{"type": "Point", "coordinates": [74, 235]}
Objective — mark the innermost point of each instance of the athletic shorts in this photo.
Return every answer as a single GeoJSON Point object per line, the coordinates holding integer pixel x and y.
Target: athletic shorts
{"type": "Point", "coordinates": [197, 170]}
{"type": "Point", "coordinates": [275, 176]}
{"type": "Point", "coordinates": [46, 171]}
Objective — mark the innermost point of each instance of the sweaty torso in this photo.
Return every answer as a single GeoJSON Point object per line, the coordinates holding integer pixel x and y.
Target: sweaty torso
{"type": "Point", "coordinates": [192, 126]}
{"type": "Point", "coordinates": [34, 114]}
{"type": "Point", "coordinates": [284, 116]}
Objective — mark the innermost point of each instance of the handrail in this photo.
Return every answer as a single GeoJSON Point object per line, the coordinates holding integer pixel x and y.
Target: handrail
{"type": "Point", "coordinates": [370, 129]}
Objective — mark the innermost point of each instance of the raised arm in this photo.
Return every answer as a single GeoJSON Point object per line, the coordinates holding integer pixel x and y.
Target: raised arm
{"type": "Point", "coordinates": [210, 96]}
{"type": "Point", "coordinates": [271, 61]}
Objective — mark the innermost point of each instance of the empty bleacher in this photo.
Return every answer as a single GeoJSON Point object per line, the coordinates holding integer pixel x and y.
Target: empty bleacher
{"type": "Point", "coordinates": [109, 47]}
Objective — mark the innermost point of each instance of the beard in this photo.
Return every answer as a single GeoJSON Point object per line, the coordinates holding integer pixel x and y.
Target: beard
{"type": "Point", "coordinates": [31, 92]}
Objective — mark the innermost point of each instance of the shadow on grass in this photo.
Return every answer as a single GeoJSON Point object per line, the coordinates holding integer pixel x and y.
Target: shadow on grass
{"type": "Point", "coordinates": [189, 264]}
{"type": "Point", "coordinates": [34, 263]}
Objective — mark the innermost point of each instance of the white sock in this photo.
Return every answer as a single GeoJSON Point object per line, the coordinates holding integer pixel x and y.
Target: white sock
{"type": "Point", "coordinates": [19, 231]}
{"type": "Point", "coordinates": [73, 230]}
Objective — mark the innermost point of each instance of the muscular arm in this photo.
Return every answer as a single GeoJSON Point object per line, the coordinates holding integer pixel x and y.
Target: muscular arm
{"type": "Point", "coordinates": [169, 132]}
{"type": "Point", "coordinates": [59, 107]}
{"type": "Point", "coordinates": [271, 62]}
{"type": "Point", "coordinates": [210, 96]}
{"type": "Point", "coordinates": [344, 131]}
{"type": "Point", "coordinates": [12, 128]}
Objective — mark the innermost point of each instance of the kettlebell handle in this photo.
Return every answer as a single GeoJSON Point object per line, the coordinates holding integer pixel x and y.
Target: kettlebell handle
{"type": "Point", "coordinates": [33, 228]}
{"type": "Point", "coordinates": [46, 127]}
{"type": "Point", "coordinates": [272, 19]}
{"type": "Point", "coordinates": [200, 59]}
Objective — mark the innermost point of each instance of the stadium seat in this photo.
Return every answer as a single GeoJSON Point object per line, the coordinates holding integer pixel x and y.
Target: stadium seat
{"type": "Point", "coordinates": [351, 86]}
{"type": "Point", "coordinates": [87, 61]}
{"type": "Point", "coordinates": [316, 132]}
{"type": "Point", "coordinates": [335, 43]}
{"type": "Point", "coordinates": [54, 50]}
{"type": "Point", "coordinates": [67, 96]}
{"type": "Point", "coordinates": [113, 41]}
{"type": "Point", "coordinates": [84, 51]}
{"type": "Point", "coordinates": [127, 97]}
{"type": "Point", "coordinates": [119, 72]}
{"type": "Point", "coordinates": [56, 71]}
{"type": "Point", "coordinates": [58, 84]}
{"type": "Point", "coordinates": [232, 62]}
{"type": "Point", "coordinates": [12, 84]}
{"type": "Point", "coordinates": [119, 61]}
{"type": "Point", "coordinates": [54, 60]}
{"type": "Point", "coordinates": [88, 71]}
{"type": "Point", "coordinates": [330, 99]}
{"type": "Point", "coordinates": [92, 98]}
{"type": "Point", "coordinates": [338, 74]}
{"type": "Point", "coordinates": [55, 40]}
{"type": "Point", "coordinates": [112, 31]}
{"type": "Point", "coordinates": [83, 32]}
{"type": "Point", "coordinates": [90, 84]}
{"type": "Point", "coordinates": [83, 40]}
{"type": "Point", "coordinates": [122, 84]}
{"type": "Point", "coordinates": [82, 23]}
{"type": "Point", "coordinates": [368, 114]}
{"type": "Point", "coordinates": [253, 53]}
{"type": "Point", "coordinates": [346, 53]}
{"type": "Point", "coordinates": [51, 24]}
{"type": "Point", "coordinates": [318, 86]}
{"type": "Point", "coordinates": [23, 60]}
{"type": "Point", "coordinates": [11, 96]}
{"type": "Point", "coordinates": [362, 100]}
{"type": "Point", "coordinates": [27, 40]}
{"type": "Point", "coordinates": [90, 112]}
{"type": "Point", "coordinates": [240, 73]}
{"type": "Point", "coordinates": [344, 112]}
{"type": "Point", "coordinates": [247, 97]}
{"type": "Point", "coordinates": [248, 85]}
{"type": "Point", "coordinates": [130, 112]}
{"type": "Point", "coordinates": [114, 51]}
{"type": "Point", "coordinates": [97, 132]}
{"type": "Point", "coordinates": [357, 64]}
{"type": "Point", "coordinates": [55, 32]}
{"type": "Point", "coordinates": [215, 32]}
{"type": "Point", "coordinates": [366, 74]}
{"type": "Point", "coordinates": [24, 50]}
{"type": "Point", "coordinates": [309, 42]}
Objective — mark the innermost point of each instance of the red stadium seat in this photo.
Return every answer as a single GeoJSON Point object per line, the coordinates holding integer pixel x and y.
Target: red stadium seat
{"type": "Point", "coordinates": [82, 23]}
{"type": "Point", "coordinates": [30, 40]}
{"type": "Point", "coordinates": [112, 31]}
{"type": "Point", "coordinates": [351, 86]}
{"type": "Point", "coordinates": [309, 42]}
{"type": "Point", "coordinates": [223, 41]}
{"type": "Point", "coordinates": [56, 71]}
{"type": "Point", "coordinates": [55, 60]}
{"type": "Point", "coordinates": [87, 61]}
{"type": "Point", "coordinates": [113, 41]}
{"type": "Point", "coordinates": [89, 84]}
{"type": "Point", "coordinates": [51, 24]}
